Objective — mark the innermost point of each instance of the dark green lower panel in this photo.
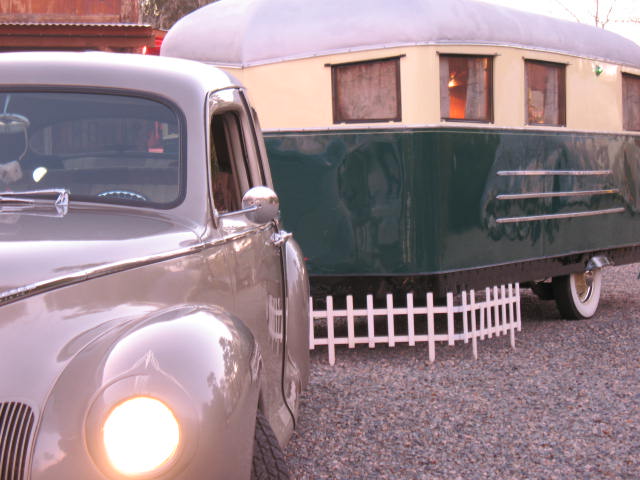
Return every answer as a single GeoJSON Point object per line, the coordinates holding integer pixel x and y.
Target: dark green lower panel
{"type": "Point", "coordinates": [417, 202]}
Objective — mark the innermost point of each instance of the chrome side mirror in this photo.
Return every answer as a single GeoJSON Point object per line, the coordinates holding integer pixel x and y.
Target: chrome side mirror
{"type": "Point", "coordinates": [261, 204]}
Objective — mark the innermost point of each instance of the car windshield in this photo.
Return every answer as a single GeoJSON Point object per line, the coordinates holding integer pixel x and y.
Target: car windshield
{"type": "Point", "coordinates": [99, 147]}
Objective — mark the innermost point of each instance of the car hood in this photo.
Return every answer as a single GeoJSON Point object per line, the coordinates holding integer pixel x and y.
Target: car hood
{"type": "Point", "coordinates": [40, 334]}
{"type": "Point", "coordinates": [38, 250]}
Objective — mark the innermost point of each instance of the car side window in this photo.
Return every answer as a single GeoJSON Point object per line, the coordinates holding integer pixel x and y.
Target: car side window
{"type": "Point", "coordinates": [229, 162]}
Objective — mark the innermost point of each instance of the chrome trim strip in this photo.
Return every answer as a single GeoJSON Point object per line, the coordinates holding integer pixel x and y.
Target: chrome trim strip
{"type": "Point", "coordinates": [518, 173]}
{"type": "Point", "coordinates": [12, 295]}
{"type": "Point", "coordinates": [580, 193]}
{"type": "Point", "coordinates": [21, 202]}
{"type": "Point", "coordinates": [455, 126]}
{"type": "Point", "coordinates": [28, 196]}
{"type": "Point", "coordinates": [557, 216]}
{"type": "Point", "coordinates": [232, 234]}
{"type": "Point", "coordinates": [236, 213]}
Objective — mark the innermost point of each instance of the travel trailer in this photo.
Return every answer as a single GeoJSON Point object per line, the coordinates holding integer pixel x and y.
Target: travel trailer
{"type": "Point", "coordinates": [428, 145]}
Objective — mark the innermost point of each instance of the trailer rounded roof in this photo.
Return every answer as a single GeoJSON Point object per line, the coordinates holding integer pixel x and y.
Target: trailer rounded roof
{"type": "Point", "coordinates": [249, 32]}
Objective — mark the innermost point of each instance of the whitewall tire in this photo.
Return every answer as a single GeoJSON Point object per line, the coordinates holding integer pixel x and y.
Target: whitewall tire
{"type": "Point", "coordinates": [578, 295]}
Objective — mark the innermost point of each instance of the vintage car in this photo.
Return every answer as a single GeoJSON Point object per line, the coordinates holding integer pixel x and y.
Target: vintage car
{"type": "Point", "coordinates": [153, 315]}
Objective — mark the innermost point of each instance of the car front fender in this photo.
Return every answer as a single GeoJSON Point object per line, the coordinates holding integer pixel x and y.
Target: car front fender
{"type": "Point", "coordinates": [199, 361]}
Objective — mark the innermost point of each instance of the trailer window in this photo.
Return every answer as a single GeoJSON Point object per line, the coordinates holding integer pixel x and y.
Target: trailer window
{"type": "Point", "coordinates": [545, 89]}
{"type": "Point", "coordinates": [466, 88]}
{"type": "Point", "coordinates": [366, 91]}
{"type": "Point", "coordinates": [631, 101]}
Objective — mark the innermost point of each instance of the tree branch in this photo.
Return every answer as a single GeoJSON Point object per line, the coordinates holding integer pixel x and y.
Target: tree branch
{"type": "Point", "coordinates": [608, 17]}
{"type": "Point", "coordinates": [568, 11]}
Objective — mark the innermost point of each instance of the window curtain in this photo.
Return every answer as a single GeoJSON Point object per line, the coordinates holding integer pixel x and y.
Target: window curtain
{"type": "Point", "coordinates": [367, 91]}
{"type": "Point", "coordinates": [476, 90]}
{"type": "Point", "coordinates": [551, 97]}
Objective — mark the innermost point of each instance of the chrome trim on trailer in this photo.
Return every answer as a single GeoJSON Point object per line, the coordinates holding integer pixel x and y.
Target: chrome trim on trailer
{"type": "Point", "coordinates": [518, 173]}
{"type": "Point", "coordinates": [557, 216]}
{"type": "Point", "coordinates": [449, 126]}
{"type": "Point", "coordinates": [580, 193]}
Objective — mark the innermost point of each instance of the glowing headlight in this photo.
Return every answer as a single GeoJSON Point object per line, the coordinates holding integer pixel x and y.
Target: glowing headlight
{"type": "Point", "coordinates": [140, 435]}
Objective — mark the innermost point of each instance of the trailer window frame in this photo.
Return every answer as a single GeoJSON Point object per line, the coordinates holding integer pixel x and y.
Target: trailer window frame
{"type": "Point", "coordinates": [338, 92]}
{"type": "Point", "coordinates": [489, 88]}
{"type": "Point", "coordinates": [561, 96]}
{"type": "Point", "coordinates": [630, 102]}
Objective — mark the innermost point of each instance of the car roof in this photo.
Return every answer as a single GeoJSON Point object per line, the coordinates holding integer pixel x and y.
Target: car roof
{"type": "Point", "coordinates": [146, 73]}
{"type": "Point", "coordinates": [180, 83]}
{"type": "Point", "coordinates": [248, 32]}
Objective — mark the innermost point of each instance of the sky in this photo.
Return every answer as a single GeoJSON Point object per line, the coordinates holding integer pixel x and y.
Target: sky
{"type": "Point", "coordinates": [584, 10]}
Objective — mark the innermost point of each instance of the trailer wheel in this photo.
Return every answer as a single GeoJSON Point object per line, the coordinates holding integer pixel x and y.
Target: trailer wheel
{"type": "Point", "coordinates": [577, 295]}
{"type": "Point", "coordinates": [268, 459]}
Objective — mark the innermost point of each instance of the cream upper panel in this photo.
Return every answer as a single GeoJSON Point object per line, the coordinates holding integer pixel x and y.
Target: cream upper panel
{"type": "Point", "coordinates": [297, 94]}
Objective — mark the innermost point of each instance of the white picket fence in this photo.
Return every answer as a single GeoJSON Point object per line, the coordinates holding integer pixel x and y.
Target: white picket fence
{"type": "Point", "coordinates": [494, 312]}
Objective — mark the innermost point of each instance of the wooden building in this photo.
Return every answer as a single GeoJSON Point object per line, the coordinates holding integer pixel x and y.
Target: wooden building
{"type": "Point", "coordinates": [107, 25]}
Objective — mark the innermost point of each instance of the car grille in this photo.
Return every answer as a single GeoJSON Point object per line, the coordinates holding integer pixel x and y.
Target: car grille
{"type": "Point", "coordinates": [16, 424]}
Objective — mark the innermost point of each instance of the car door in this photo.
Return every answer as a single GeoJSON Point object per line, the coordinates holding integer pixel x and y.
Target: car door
{"type": "Point", "coordinates": [253, 250]}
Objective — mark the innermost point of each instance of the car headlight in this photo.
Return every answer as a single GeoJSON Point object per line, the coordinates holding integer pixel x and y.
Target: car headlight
{"type": "Point", "coordinates": [140, 435]}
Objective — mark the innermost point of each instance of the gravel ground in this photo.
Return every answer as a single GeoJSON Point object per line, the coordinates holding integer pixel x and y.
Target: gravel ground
{"type": "Point", "coordinates": [564, 405]}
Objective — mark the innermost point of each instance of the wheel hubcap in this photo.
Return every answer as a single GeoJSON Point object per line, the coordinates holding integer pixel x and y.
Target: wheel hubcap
{"type": "Point", "coordinates": [584, 285]}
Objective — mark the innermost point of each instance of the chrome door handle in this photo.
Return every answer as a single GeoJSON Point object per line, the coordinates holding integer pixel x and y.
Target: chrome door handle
{"type": "Point", "coordinates": [280, 238]}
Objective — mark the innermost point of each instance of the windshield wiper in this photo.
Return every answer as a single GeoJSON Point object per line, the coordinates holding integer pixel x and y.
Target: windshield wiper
{"type": "Point", "coordinates": [15, 202]}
